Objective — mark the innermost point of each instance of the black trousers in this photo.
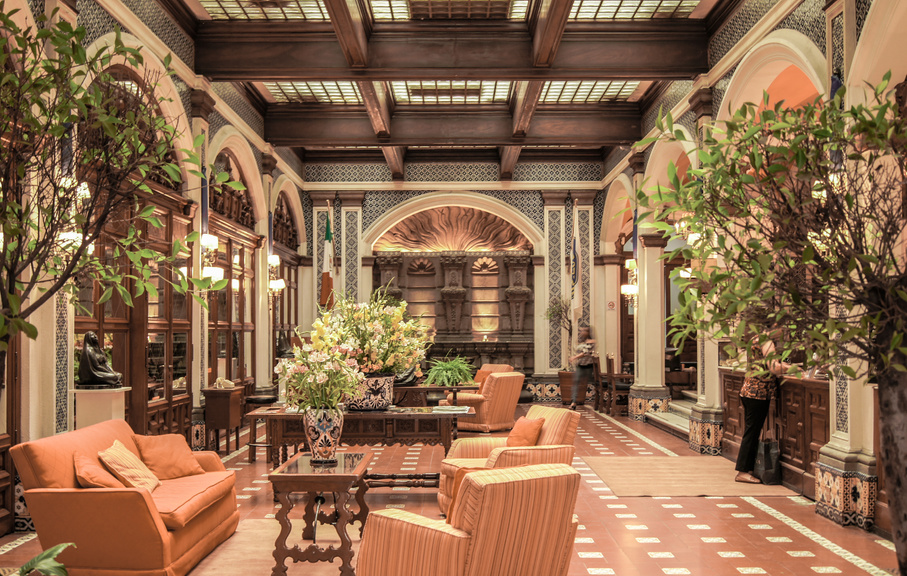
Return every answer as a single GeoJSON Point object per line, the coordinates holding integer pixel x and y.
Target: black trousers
{"type": "Point", "coordinates": [581, 377]}
{"type": "Point", "coordinates": [754, 414]}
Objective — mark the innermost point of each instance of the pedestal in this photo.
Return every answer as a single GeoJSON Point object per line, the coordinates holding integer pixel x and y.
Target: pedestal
{"type": "Point", "coordinates": [94, 406]}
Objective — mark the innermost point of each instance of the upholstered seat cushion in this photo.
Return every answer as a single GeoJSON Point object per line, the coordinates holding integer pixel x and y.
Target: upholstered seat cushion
{"type": "Point", "coordinates": [179, 500]}
{"type": "Point", "coordinates": [449, 466]}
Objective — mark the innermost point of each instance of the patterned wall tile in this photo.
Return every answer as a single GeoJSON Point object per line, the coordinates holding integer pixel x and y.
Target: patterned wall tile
{"type": "Point", "coordinates": [64, 360]}
{"type": "Point", "coordinates": [185, 99]}
{"type": "Point", "coordinates": [448, 172]}
{"type": "Point", "coordinates": [36, 6]}
{"type": "Point", "coordinates": [555, 258]}
{"type": "Point", "coordinates": [240, 105]}
{"type": "Point", "coordinates": [614, 157]}
{"type": "Point", "coordinates": [307, 216]}
{"type": "Point", "coordinates": [688, 121]}
{"type": "Point", "coordinates": [95, 19]}
{"type": "Point", "coordinates": [837, 47]}
{"type": "Point", "coordinates": [164, 28]}
{"type": "Point", "coordinates": [351, 252]}
{"type": "Point", "coordinates": [347, 173]}
{"type": "Point", "coordinates": [736, 27]}
{"type": "Point", "coordinates": [862, 10]}
{"type": "Point", "coordinates": [319, 248]}
{"type": "Point", "coordinates": [598, 214]}
{"type": "Point", "coordinates": [586, 260]}
{"type": "Point", "coordinates": [719, 90]}
{"type": "Point", "coordinates": [675, 93]}
{"type": "Point", "coordinates": [558, 172]}
{"type": "Point", "coordinates": [290, 157]}
{"type": "Point", "coordinates": [215, 123]}
{"type": "Point", "coordinates": [808, 19]}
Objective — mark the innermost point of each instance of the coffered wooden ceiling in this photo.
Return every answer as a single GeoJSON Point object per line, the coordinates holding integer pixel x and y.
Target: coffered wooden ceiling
{"type": "Point", "coordinates": [349, 80]}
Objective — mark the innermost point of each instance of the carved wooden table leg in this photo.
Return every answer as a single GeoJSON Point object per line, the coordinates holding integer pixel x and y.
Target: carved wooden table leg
{"type": "Point", "coordinates": [345, 552]}
{"type": "Point", "coordinates": [310, 516]}
{"type": "Point", "coordinates": [362, 514]}
{"type": "Point", "coordinates": [281, 552]}
{"type": "Point", "coordinates": [448, 433]}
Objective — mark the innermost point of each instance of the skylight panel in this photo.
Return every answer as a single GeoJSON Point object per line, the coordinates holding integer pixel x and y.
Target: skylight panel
{"type": "Point", "coordinates": [433, 92]}
{"type": "Point", "coordinates": [313, 10]}
{"type": "Point", "coordinates": [586, 92]}
{"type": "Point", "coordinates": [328, 92]}
{"type": "Point", "coordinates": [402, 10]}
{"type": "Point", "coordinates": [597, 10]}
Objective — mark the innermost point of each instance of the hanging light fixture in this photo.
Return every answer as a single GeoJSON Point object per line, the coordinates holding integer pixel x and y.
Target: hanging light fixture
{"type": "Point", "coordinates": [630, 290]}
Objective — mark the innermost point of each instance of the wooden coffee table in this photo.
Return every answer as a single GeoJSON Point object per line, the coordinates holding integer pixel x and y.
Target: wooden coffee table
{"type": "Point", "coordinates": [298, 474]}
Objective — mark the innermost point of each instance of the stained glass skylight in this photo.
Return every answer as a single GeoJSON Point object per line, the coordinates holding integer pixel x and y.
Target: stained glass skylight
{"type": "Point", "coordinates": [401, 10]}
{"type": "Point", "coordinates": [587, 92]}
{"type": "Point", "coordinates": [594, 10]}
{"type": "Point", "coordinates": [312, 10]}
{"type": "Point", "coordinates": [427, 92]}
{"type": "Point", "coordinates": [328, 92]}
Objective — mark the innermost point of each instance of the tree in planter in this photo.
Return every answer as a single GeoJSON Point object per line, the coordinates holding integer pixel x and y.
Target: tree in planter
{"type": "Point", "coordinates": [559, 310]}
{"type": "Point", "coordinates": [83, 147]}
{"type": "Point", "coordinates": [797, 221]}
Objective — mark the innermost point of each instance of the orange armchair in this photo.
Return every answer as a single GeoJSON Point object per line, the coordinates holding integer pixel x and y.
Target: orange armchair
{"type": "Point", "coordinates": [510, 522]}
{"type": "Point", "coordinates": [495, 406]}
{"type": "Point", "coordinates": [554, 445]}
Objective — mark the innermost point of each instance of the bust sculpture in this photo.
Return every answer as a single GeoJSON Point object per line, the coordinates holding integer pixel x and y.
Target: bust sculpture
{"type": "Point", "coordinates": [94, 370]}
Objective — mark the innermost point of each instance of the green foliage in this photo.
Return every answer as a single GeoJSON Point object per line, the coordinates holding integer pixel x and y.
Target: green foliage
{"type": "Point", "coordinates": [46, 562]}
{"type": "Point", "coordinates": [795, 218]}
{"type": "Point", "coordinates": [448, 372]}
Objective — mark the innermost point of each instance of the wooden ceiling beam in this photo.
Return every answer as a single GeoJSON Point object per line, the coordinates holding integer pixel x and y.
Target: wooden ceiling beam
{"type": "Point", "coordinates": [280, 51]}
{"type": "Point", "coordinates": [349, 20]}
{"type": "Point", "coordinates": [394, 157]}
{"type": "Point", "coordinates": [509, 156]}
{"type": "Point", "coordinates": [285, 126]}
{"type": "Point", "coordinates": [551, 20]}
{"type": "Point", "coordinates": [377, 104]}
{"type": "Point", "coordinates": [525, 102]}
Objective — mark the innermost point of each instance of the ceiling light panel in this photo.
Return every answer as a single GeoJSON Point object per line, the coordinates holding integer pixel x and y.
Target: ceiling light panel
{"type": "Point", "coordinates": [402, 10]}
{"type": "Point", "coordinates": [587, 92]}
{"type": "Point", "coordinates": [294, 10]}
{"type": "Point", "coordinates": [328, 92]}
{"type": "Point", "coordinates": [430, 92]}
{"type": "Point", "coordinates": [594, 10]}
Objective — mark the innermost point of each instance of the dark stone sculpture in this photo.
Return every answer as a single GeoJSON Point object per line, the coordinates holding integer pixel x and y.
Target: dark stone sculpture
{"type": "Point", "coordinates": [94, 371]}
{"type": "Point", "coordinates": [283, 348]}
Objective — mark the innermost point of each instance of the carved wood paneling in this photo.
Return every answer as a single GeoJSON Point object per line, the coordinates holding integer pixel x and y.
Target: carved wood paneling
{"type": "Point", "coordinates": [285, 230]}
{"type": "Point", "coordinates": [234, 205]}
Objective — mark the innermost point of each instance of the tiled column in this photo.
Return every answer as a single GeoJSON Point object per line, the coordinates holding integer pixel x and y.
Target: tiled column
{"type": "Point", "coordinates": [319, 213]}
{"type": "Point", "coordinates": [551, 344]}
{"type": "Point", "coordinates": [649, 392]}
{"type": "Point", "coordinates": [202, 107]}
{"type": "Point", "coordinates": [350, 258]}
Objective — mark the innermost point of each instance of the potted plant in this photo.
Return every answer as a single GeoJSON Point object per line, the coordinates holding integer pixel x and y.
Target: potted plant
{"type": "Point", "coordinates": [449, 372]}
{"type": "Point", "coordinates": [316, 381]}
{"type": "Point", "coordinates": [560, 311]}
{"type": "Point", "coordinates": [384, 341]}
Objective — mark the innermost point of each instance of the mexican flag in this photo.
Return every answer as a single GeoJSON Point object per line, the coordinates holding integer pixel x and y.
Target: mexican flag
{"type": "Point", "coordinates": [327, 264]}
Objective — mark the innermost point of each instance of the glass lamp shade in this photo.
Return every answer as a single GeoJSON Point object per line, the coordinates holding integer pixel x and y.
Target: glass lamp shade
{"type": "Point", "coordinates": [277, 285]}
{"type": "Point", "coordinates": [210, 242]}
{"type": "Point", "coordinates": [629, 289]}
{"type": "Point", "coordinates": [215, 273]}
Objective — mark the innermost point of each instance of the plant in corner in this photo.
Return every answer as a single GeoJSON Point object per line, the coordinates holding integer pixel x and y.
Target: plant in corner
{"type": "Point", "coordinates": [448, 372]}
{"type": "Point", "coordinates": [800, 216]}
{"type": "Point", "coordinates": [560, 311]}
{"type": "Point", "coordinates": [316, 381]}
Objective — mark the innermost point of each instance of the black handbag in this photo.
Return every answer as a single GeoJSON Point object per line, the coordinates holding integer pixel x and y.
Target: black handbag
{"type": "Point", "coordinates": [768, 462]}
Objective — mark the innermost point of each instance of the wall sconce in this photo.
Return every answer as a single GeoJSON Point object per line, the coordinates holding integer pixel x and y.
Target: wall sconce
{"type": "Point", "coordinates": [70, 240]}
{"type": "Point", "coordinates": [210, 269]}
{"type": "Point", "coordinates": [630, 290]}
{"type": "Point", "coordinates": [275, 283]}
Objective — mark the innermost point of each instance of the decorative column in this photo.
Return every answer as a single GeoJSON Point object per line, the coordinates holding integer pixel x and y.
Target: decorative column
{"type": "Point", "coordinates": [552, 348]}
{"type": "Point", "coordinates": [348, 249]}
{"type": "Point", "coordinates": [320, 201]}
{"type": "Point", "coordinates": [607, 315]}
{"type": "Point", "coordinates": [453, 294]}
{"type": "Point", "coordinates": [585, 200]}
{"type": "Point", "coordinates": [517, 293]}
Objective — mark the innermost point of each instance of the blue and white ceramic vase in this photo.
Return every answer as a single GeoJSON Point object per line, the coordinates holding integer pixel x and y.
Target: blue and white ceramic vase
{"type": "Point", "coordinates": [375, 392]}
{"type": "Point", "coordinates": [322, 431]}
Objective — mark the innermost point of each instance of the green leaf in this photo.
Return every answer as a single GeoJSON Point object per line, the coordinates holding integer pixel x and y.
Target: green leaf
{"type": "Point", "coordinates": [46, 562]}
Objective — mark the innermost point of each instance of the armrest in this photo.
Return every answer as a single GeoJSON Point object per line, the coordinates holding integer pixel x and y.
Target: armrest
{"type": "Point", "coordinates": [114, 527]}
{"type": "Point", "coordinates": [507, 457]}
{"type": "Point", "coordinates": [470, 399]}
{"type": "Point", "coordinates": [209, 461]}
{"type": "Point", "coordinates": [479, 447]}
{"type": "Point", "coordinates": [400, 543]}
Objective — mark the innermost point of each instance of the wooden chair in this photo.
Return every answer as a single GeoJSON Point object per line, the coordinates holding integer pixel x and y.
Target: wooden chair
{"type": "Point", "coordinates": [618, 385]}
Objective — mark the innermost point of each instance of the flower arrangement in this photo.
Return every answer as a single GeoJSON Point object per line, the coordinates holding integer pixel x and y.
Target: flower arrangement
{"type": "Point", "coordinates": [383, 339]}
{"type": "Point", "coordinates": [318, 377]}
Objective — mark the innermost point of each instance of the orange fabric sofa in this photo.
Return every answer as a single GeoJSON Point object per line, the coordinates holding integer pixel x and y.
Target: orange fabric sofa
{"type": "Point", "coordinates": [508, 522]}
{"type": "Point", "coordinates": [124, 531]}
{"type": "Point", "coordinates": [495, 406]}
{"type": "Point", "coordinates": [554, 445]}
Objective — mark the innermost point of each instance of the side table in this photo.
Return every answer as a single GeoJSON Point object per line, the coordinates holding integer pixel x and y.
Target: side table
{"type": "Point", "coordinates": [299, 474]}
{"type": "Point", "coordinates": [223, 411]}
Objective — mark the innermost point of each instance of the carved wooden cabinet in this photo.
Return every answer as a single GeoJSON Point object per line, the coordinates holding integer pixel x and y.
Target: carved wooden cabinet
{"type": "Point", "coordinates": [798, 417]}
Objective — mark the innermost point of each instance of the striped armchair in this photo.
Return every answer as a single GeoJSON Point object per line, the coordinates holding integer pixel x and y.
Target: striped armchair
{"type": "Point", "coordinates": [555, 445]}
{"type": "Point", "coordinates": [512, 522]}
{"type": "Point", "coordinates": [495, 406]}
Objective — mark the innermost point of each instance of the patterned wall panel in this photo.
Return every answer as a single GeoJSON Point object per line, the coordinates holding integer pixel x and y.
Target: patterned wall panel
{"type": "Point", "coordinates": [319, 249]}
{"type": "Point", "coordinates": [347, 173]}
{"type": "Point", "coordinates": [862, 9]}
{"type": "Point", "coordinates": [736, 28]}
{"type": "Point", "coordinates": [215, 123]}
{"type": "Point", "coordinates": [558, 172]}
{"type": "Point", "coordinates": [842, 392]}
{"type": "Point", "coordinates": [586, 259]}
{"type": "Point", "coordinates": [64, 360]}
{"type": "Point", "coordinates": [614, 157]}
{"type": "Point", "coordinates": [185, 99]}
{"type": "Point", "coordinates": [240, 105]}
{"type": "Point", "coordinates": [837, 47]}
{"type": "Point", "coordinates": [377, 202]}
{"type": "Point", "coordinates": [675, 93]}
{"type": "Point", "coordinates": [555, 259]}
{"type": "Point", "coordinates": [307, 217]}
{"type": "Point", "coordinates": [719, 90]}
{"type": "Point", "coordinates": [598, 213]}
{"type": "Point", "coordinates": [95, 19]}
{"type": "Point", "coordinates": [36, 6]}
{"type": "Point", "coordinates": [808, 19]}
{"type": "Point", "coordinates": [447, 172]}
{"type": "Point", "coordinates": [351, 252]}
{"type": "Point", "coordinates": [164, 28]}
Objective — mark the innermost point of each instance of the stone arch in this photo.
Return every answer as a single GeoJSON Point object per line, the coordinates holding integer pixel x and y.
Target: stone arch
{"type": "Point", "coordinates": [169, 100]}
{"type": "Point", "coordinates": [464, 199]}
{"type": "Point", "coordinates": [881, 48]}
{"type": "Point", "coordinates": [616, 214]}
{"type": "Point", "coordinates": [682, 154]}
{"type": "Point", "coordinates": [229, 138]}
{"type": "Point", "coordinates": [283, 185]}
{"type": "Point", "coordinates": [768, 59]}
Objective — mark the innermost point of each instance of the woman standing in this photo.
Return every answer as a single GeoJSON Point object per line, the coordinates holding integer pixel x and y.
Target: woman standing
{"type": "Point", "coordinates": [585, 356]}
{"type": "Point", "coordinates": [756, 397]}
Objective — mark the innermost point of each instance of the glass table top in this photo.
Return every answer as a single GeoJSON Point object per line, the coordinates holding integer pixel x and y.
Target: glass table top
{"type": "Point", "coordinates": [346, 464]}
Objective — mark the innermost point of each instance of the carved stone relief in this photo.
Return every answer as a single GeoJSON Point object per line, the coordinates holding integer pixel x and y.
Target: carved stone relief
{"type": "Point", "coordinates": [452, 228]}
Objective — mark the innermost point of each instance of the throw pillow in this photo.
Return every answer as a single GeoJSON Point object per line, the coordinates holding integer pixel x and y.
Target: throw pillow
{"type": "Point", "coordinates": [525, 432]}
{"type": "Point", "coordinates": [458, 479]}
{"type": "Point", "coordinates": [127, 467]}
{"type": "Point", "coordinates": [167, 456]}
{"type": "Point", "coordinates": [90, 473]}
